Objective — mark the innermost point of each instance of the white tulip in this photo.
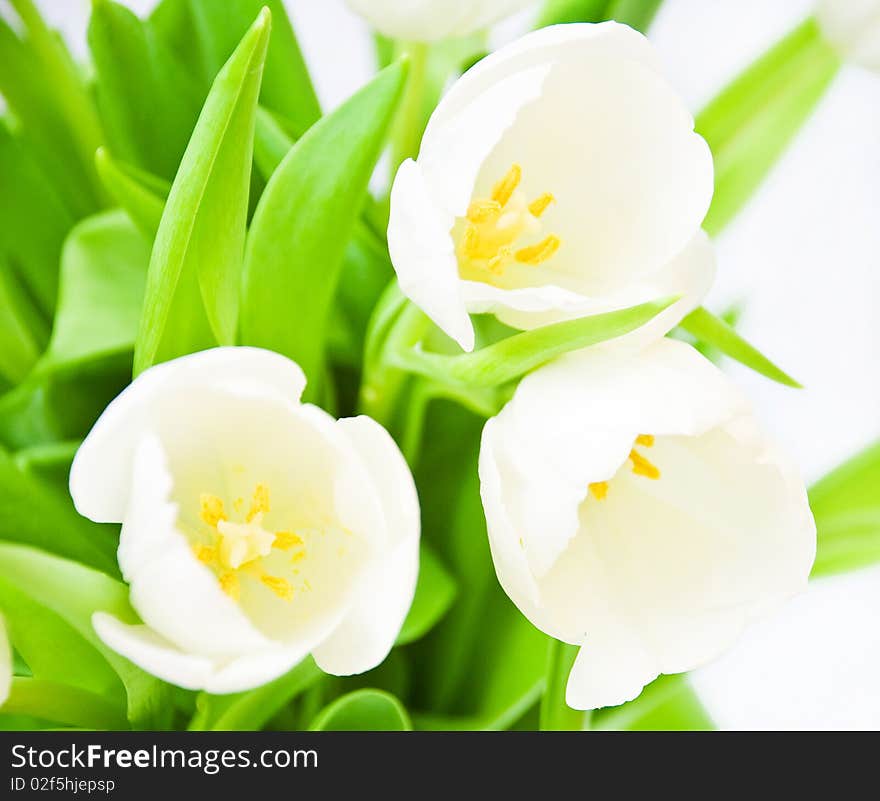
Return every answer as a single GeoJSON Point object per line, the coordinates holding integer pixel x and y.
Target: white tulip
{"type": "Point", "coordinates": [559, 177]}
{"type": "Point", "coordinates": [431, 20]}
{"type": "Point", "coordinates": [255, 529]}
{"type": "Point", "coordinates": [634, 509]}
{"type": "Point", "coordinates": [5, 663]}
{"type": "Point", "coordinates": [853, 27]}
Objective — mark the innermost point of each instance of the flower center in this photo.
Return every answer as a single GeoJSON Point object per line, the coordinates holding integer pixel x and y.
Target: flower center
{"type": "Point", "coordinates": [235, 550]}
{"type": "Point", "coordinates": [495, 225]}
{"type": "Point", "coordinates": [640, 466]}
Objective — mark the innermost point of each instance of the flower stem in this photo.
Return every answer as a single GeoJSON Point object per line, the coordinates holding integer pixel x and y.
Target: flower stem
{"type": "Point", "coordinates": [555, 714]}
{"type": "Point", "coordinates": [410, 120]}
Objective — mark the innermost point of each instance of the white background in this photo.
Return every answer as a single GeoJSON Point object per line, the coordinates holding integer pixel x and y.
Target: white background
{"type": "Point", "coordinates": [804, 259]}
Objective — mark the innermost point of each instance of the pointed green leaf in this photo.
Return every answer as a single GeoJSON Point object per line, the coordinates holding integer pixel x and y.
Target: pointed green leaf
{"type": "Point", "coordinates": [75, 593]}
{"type": "Point", "coordinates": [63, 704]}
{"type": "Point", "coordinates": [142, 195]}
{"type": "Point", "coordinates": [191, 298]}
{"type": "Point", "coordinates": [846, 505]}
{"type": "Point", "coordinates": [711, 330]}
{"type": "Point", "coordinates": [22, 328]}
{"type": "Point", "coordinates": [363, 710]}
{"type": "Point", "coordinates": [435, 593]}
{"type": "Point", "coordinates": [751, 122]}
{"type": "Point", "coordinates": [519, 354]}
{"type": "Point", "coordinates": [304, 219]}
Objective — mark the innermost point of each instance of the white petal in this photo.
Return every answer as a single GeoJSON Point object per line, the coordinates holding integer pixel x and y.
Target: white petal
{"type": "Point", "coordinates": [423, 254]}
{"type": "Point", "coordinates": [385, 592]}
{"type": "Point", "coordinates": [5, 663]}
{"type": "Point", "coordinates": [174, 594]}
{"type": "Point", "coordinates": [101, 473]}
{"type": "Point", "coordinates": [254, 669]}
{"type": "Point", "coordinates": [853, 27]}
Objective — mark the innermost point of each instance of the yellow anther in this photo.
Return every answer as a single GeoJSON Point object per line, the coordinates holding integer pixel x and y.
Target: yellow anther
{"type": "Point", "coordinates": [481, 211]}
{"type": "Point", "coordinates": [535, 254]}
{"type": "Point", "coordinates": [497, 262]}
{"type": "Point", "coordinates": [259, 503]}
{"type": "Point", "coordinates": [599, 489]}
{"type": "Point", "coordinates": [539, 205]}
{"type": "Point", "coordinates": [211, 509]}
{"type": "Point", "coordinates": [229, 584]}
{"type": "Point", "coordinates": [642, 467]}
{"type": "Point", "coordinates": [645, 439]}
{"type": "Point", "coordinates": [278, 585]}
{"type": "Point", "coordinates": [205, 554]}
{"type": "Point", "coordinates": [298, 556]}
{"type": "Point", "coordinates": [285, 540]}
{"type": "Point", "coordinates": [505, 188]}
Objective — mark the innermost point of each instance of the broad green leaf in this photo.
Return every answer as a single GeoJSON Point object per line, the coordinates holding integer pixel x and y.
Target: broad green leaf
{"type": "Point", "coordinates": [75, 592]}
{"type": "Point", "coordinates": [103, 272]}
{"type": "Point", "coordinates": [140, 194]}
{"type": "Point", "coordinates": [33, 220]}
{"type": "Point", "coordinates": [751, 122]}
{"type": "Point", "coordinates": [435, 593]}
{"type": "Point", "coordinates": [149, 104]}
{"type": "Point", "coordinates": [556, 714]}
{"type": "Point", "coordinates": [669, 703]}
{"type": "Point", "coordinates": [251, 710]}
{"type": "Point", "coordinates": [192, 290]}
{"type": "Point", "coordinates": [519, 354]}
{"type": "Point", "coordinates": [53, 649]}
{"type": "Point", "coordinates": [846, 506]}
{"type": "Point", "coordinates": [62, 703]}
{"type": "Point", "coordinates": [303, 221]}
{"type": "Point", "coordinates": [363, 710]}
{"type": "Point", "coordinates": [33, 512]}
{"type": "Point", "coordinates": [44, 88]}
{"type": "Point", "coordinates": [23, 331]}
{"type": "Point", "coordinates": [713, 331]}
{"type": "Point", "coordinates": [203, 39]}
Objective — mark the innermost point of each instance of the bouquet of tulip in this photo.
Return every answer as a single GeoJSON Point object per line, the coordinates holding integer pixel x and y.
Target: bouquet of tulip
{"type": "Point", "coordinates": [405, 415]}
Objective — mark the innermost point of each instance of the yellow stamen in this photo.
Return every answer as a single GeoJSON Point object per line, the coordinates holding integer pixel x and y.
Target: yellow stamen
{"type": "Point", "coordinates": [535, 254]}
{"type": "Point", "coordinates": [211, 509]}
{"type": "Point", "coordinates": [483, 210]}
{"type": "Point", "coordinates": [229, 584]}
{"type": "Point", "coordinates": [599, 489]}
{"type": "Point", "coordinates": [642, 467]}
{"type": "Point", "coordinates": [285, 540]}
{"type": "Point", "coordinates": [259, 503]}
{"type": "Point", "coordinates": [298, 556]}
{"type": "Point", "coordinates": [645, 439]}
{"type": "Point", "coordinates": [497, 262]}
{"type": "Point", "coordinates": [278, 585]}
{"type": "Point", "coordinates": [205, 554]}
{"type": "Point", "coordinates": [539, 205]}
{"type": "Point", "coordinates": [505, 188]}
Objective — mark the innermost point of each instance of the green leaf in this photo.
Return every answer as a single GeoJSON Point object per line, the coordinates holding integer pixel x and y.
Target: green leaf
{"type": "Point", "coordinates": [75, 592]}
{"type": "Point", "coordinates": [435, 593]}
{"type": "Point", "coordinates": [846, 506]}
{"type": "Point", "coordinates": [751, 122]}
{"type": "Point", "coordinates": [140, 194]}
{"type": "Point", "coordinates": [637, 14]}
{"type": "Point", "coordinates": [191, 298]}
{"type": "Point", "coordinates": [103, 272]}
{"type": "Point", "coordinates": [667, 704]}
{"type": "Point", "coordinates": [34, 513]}
{"type": "Point", "coordinates": [363, 710]}
{"type": "Point", "coordinates": [555, 713]}
{"type": "Point", "coordinates": [148, 102]}
{"type": "Point", "coordinates": [251, 710]}
{"type": "Point", "coordinates": [61, 703]}
{"type": "Point", "coordinates": [519, 354]}
{"type": "Point", "coordinates": [23, 331]}
{"type": "Point", "coordinates": [711, 330]}
{"type": "Point", "coordinates": [304, 219]}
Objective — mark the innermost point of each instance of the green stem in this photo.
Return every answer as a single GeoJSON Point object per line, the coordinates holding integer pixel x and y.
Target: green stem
{"type": "Point", "coordinates": [61, 703]}
{"type": "Point", "coordinates": [408, 128]}
{"type": "Point", "coordinates": [555, 714]}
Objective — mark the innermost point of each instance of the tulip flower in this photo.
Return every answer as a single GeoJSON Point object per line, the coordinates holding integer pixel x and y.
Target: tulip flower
{"type": "Point", "coordinates": [429, 21]}
{"type": "Point", "coordinates": [5, 664]}
{"type": "Point", "coordinates": [255, 529]}
{"type": "Point", "coordinates": [559, 177]}
{"type": "Point", "coordinates": [635, 509]}
{"type": "Point", "coordinates": [853, 27]}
